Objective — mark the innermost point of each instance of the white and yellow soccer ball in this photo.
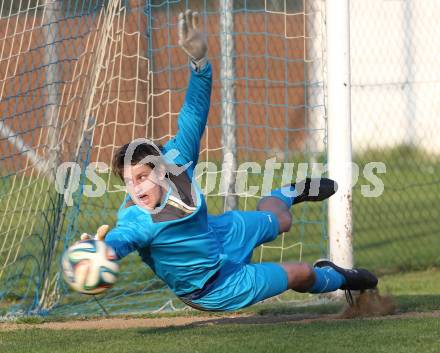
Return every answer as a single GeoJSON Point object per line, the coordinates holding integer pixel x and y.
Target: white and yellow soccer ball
{"type": "Point", "coordinates": [90, 266]}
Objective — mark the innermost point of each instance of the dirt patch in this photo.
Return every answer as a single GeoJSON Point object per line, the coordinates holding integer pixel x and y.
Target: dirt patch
{"type": "Point", "coordinates": [195, 321]}
{"type": "Point", "coordinates": [111, 323]}
{"type": "Point", "coordinates": [370, 303]}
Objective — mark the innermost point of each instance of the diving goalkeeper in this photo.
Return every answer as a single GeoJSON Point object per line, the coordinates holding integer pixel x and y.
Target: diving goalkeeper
{"type": "Point", "coordinates": [205, 259]}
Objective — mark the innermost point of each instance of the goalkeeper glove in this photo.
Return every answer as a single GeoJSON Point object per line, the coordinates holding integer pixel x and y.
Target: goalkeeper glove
{"type": "Point", "coordinates": [191, 40]}
{"type": "Point", "coordinates": [100, 233]}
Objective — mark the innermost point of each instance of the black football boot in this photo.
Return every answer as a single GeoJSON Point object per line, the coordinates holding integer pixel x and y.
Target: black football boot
{"type": "Point", "coordinates": [314, 189]}
{"type": "Point", "coordinates": [355, 279]}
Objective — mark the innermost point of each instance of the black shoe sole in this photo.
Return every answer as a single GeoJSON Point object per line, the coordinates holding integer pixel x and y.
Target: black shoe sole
{"type": "Point", "coordinates": [315, 189]}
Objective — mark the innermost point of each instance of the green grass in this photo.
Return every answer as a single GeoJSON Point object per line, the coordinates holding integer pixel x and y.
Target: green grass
{"type": "Point", "coordinates": [399, 230]}
{"type": "Point", "coordinates": [413, 291]}
{"type": "Point", "coordinates": [355, 336]}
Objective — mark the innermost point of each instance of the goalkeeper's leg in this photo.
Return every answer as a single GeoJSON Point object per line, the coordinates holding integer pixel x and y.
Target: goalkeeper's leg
{"type": "Point", "coordinates": [240, 284]}
{"type": "Point", "coordinates": [280, 200]}
{"type": "Point", "coordinates": [325, 276]}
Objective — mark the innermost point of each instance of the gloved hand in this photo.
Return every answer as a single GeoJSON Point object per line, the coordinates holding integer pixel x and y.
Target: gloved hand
{"type": "Point", "coordinates": [191, 40]}
{"type": "Point", "coordinates": [100, 233]}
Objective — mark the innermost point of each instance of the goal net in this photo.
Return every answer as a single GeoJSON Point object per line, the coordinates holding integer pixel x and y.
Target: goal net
{"type": "Point", "coordinates": [80, 78]}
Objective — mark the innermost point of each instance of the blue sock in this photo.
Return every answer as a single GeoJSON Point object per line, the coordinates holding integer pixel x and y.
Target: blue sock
{"type": "Point", "coordinates": [327, 280]}
{"type": "Point", "coordinates": [286, 194]}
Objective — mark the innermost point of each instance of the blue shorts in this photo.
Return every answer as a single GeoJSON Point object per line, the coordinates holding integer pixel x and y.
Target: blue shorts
{"type": "Point", "coordinates": [239, 283]}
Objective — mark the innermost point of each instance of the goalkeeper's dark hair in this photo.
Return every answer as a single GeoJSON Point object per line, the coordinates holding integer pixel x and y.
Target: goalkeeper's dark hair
{"type": "Point", "coordinates": [140, 152]}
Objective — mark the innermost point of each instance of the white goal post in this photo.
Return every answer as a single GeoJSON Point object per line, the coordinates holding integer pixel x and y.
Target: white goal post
{"type": "Point", "coordinates": [339, 131]}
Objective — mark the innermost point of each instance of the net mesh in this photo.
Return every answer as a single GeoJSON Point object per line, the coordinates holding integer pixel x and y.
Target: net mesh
{"type": "Point", "coordinates": [81, 78]}
{"type": "Point", "coordinates": [395, 82]}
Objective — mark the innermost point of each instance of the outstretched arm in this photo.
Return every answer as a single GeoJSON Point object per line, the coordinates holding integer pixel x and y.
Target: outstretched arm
{"type": "Point", "coordinates": [125, 238]}
{"type": "Point", "coordinates": [194, 113]}
{"type": "Point", "coordinates": [192, 117]}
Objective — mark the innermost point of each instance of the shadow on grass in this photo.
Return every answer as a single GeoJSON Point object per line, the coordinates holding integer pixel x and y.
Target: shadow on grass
{"type": "Point", "coordinates": [244, 320]}
{"type": "Point", "coordinates": [408, 305]}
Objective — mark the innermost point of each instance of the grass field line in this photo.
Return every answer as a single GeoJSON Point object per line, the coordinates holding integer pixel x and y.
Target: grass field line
{"type": "Point", "coordinates": [196, 321]}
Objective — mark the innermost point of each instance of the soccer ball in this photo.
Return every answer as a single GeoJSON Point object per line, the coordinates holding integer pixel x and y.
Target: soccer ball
{"type": "Point", "coordinates": [90, 266]}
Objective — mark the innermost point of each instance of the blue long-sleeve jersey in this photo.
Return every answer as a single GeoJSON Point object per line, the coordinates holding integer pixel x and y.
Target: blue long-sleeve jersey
{"type": "Point", "coordinates": [183, 252]}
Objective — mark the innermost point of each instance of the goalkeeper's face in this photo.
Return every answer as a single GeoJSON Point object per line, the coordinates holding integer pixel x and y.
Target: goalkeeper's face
{"type": "Point", "coordinates": [144, 185]}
